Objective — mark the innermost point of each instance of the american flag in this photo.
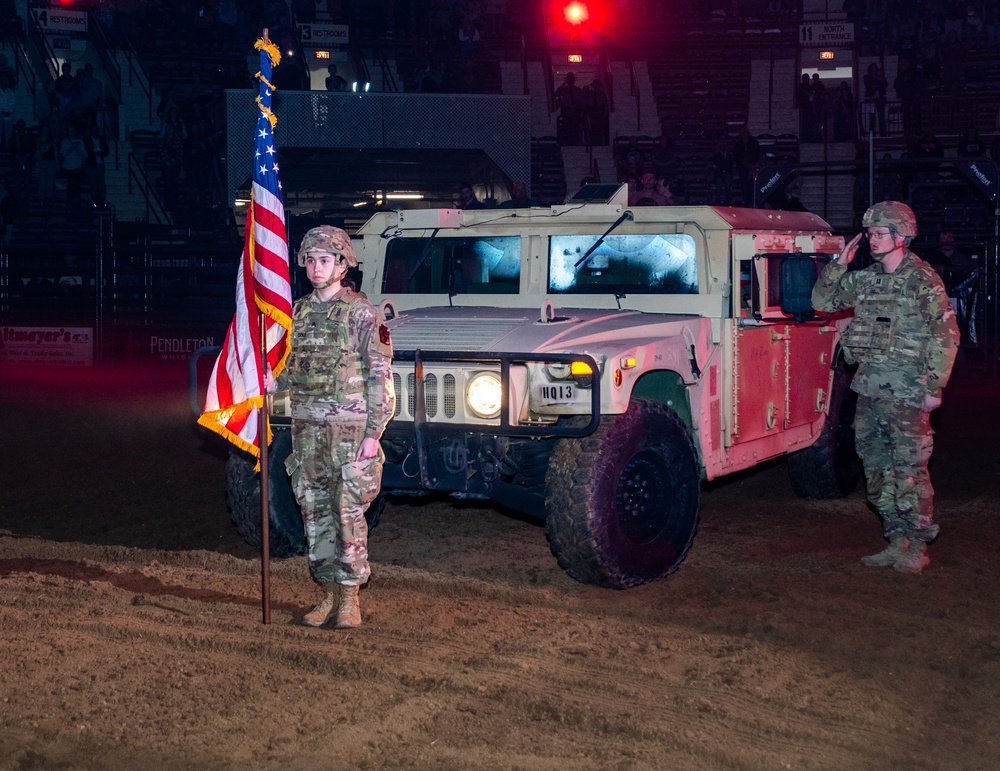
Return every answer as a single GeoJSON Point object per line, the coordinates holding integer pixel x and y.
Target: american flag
{"type": "Point", "coordinates": [236, 389]}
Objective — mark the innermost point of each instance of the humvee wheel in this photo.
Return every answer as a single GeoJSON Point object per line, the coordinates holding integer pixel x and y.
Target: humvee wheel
{"type": "Point", "coordinates": [830, 468]}
{"type": "Point", "coordinates": [622, 504]}
{"type": "Point", "coordinates": [286, 536]}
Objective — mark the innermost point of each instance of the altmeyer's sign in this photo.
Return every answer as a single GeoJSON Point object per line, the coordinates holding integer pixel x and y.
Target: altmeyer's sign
{"type": "Point", "coordinates": [828, 33]}
{"type": "Point", "coordinates": [47, 345]}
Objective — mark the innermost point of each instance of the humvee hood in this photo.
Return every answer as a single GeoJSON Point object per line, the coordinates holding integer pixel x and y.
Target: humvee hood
{"type": "Point", "coordinates": [521, 330]}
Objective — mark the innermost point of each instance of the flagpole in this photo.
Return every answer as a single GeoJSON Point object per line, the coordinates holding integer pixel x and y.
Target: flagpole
{"type": "Point", "coordinates": [265, 546]}
{"type": "Point", "coordinates": [264, 436]}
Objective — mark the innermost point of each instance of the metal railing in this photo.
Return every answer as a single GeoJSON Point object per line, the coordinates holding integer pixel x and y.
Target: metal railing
{"type": "Point", "coordinates": [138, 175]}
{"type": "Point", "coordinates": [23, 69]}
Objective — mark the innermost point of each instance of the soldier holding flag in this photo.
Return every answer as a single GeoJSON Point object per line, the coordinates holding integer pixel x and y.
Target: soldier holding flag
{"type": "Point", "coordinates": [340, 382]}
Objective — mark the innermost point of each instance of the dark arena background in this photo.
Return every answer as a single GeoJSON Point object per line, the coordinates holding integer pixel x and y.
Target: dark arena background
{"type": "Point", "coordinates": [130, 632]}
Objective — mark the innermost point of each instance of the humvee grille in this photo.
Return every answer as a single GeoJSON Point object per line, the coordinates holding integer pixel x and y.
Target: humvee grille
{"type": "Point", "coordinates": [435, 394]}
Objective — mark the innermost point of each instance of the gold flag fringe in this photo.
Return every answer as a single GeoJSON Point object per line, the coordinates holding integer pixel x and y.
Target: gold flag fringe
{"type": "Point", "coordinates": [270, 49]}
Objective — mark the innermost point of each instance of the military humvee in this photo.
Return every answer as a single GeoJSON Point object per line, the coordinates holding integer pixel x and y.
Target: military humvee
{"type": "Point", "coordinates": [591, 364]}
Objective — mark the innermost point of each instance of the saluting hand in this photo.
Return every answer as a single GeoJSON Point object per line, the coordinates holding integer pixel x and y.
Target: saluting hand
{"type": "Point", "coordinates": [850, 249]}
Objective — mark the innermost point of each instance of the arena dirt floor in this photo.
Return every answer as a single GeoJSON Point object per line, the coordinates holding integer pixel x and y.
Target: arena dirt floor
{"type": "Point", "coordinates": [131, 634]}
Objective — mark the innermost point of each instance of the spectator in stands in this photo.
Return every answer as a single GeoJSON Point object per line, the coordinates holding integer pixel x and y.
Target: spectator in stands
{"type": "Point", "coordinates": [876, 90]}
{"type": "Point", "coordinates": [65, 81]}
{"type": "Point", "coordinates": [11, 210]}
{"type": "Point", "coordinates": [91, 97]}
{"type": "Point", "coordinates": [569, 103]}
{"type": "Point", "coordinates": [666, 194]}
{"type": "Point", "coordinates": [333, 81]}
{"type": "Point", "coordinates": [971, 145]}
{"type": "Point", "coordinates": [8, 99]}
{"type": "Point", "coordinates": [519, 198]}
{"type": "Point", "coordinates": [468, 37]}
{"type": "Point", "coordinates": [467, 198]}
{"type": "Point", "coordinates": [597, 110]}
{"type": "Point", "coordinates": [648, 189]}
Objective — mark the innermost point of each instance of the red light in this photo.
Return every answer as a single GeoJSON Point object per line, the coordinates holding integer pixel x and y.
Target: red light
{"type": "Point", "coordinates": [576, 13]}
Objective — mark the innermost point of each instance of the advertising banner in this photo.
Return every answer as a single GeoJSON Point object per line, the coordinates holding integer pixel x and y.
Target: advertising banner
{"type": "Point", "coordinates": [70, 346]}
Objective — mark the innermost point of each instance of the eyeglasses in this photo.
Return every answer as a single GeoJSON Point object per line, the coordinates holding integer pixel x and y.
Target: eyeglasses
{"type": "Point", "coordinates": [878, 234]}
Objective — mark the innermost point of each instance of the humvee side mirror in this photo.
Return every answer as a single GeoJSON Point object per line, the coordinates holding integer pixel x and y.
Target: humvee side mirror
{"type": "Point", "coordinates": [782, 283]}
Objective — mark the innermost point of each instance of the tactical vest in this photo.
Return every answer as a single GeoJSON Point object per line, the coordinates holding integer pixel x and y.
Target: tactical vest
{"type": "Point", "coordinates": [325, 368]}
{"type": "Point", "coordinates": [886, 326]}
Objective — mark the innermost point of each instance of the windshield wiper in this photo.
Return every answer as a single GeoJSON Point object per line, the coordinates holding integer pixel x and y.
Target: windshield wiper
{"type": "Point", "coordinates": [424, 254]}
{"type": "Point", "coordinates": [626, 215]}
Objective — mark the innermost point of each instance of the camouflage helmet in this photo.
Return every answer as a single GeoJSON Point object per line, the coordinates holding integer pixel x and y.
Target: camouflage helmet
{"type": "Point", "coordinates": [330, 240]}
{"type": "Point", "coordinates": [891, 214]}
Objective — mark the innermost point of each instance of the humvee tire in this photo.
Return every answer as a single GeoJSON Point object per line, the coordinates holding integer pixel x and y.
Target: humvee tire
{"type": "Point", "coordinates": [622, 504]}
{"type": "Point", "coordinates": [286, 536]}
{"type": "Point", "coordinates": [830, 468]}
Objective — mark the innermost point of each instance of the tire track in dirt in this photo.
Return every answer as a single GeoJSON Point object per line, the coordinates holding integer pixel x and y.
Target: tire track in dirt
{"type": "Point", "coordinates": [541, 685]}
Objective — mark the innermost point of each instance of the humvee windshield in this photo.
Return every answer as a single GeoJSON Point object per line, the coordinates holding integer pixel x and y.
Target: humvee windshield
{"type": "Point", "coordinates": [483, 265]}
{"type": "Point", "coordinates": [634, 264]}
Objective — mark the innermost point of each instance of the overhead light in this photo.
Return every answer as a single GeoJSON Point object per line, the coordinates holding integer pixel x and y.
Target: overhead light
{"type": "Point", "coordinates": [241, 202]}
{"type": "Point", "coordinates": [405, 196]}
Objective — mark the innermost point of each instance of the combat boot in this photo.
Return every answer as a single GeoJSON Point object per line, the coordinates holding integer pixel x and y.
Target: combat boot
{"type": "Point", "coordinates": [349, 612]}
{"type": "Point", "coordinates": [914, 559]}
{"type": "Point", "coordinates": [890, 555]}
{"type": "Point", "coordinates": [319, 615]}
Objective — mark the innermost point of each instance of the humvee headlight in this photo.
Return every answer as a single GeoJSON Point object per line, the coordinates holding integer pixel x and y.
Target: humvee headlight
{"type": "Point", "coordinates": [580, 368]}
{"type": "Point", "coordinates": [484, 395]}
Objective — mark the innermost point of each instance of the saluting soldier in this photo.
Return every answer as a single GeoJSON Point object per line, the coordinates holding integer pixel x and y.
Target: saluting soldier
{"type": "Point", "coordinates": [904, 337]}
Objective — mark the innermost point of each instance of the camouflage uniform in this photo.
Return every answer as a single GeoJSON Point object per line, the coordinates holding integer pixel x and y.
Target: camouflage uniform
{"type": "Point", "coordinates": [904, 338]}
{"type": "Point", "coordinates": [341, 392]}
